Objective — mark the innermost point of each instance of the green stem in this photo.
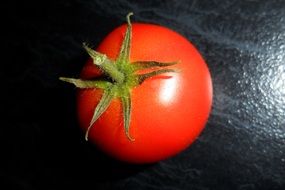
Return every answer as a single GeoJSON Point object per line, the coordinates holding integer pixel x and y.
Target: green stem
{"type": "Point", "coordinates": [124, 55]}
{"type": "Point", "coordinates": [105, 65]}
{"type": "Point", "coordinates": [140, 65]}
{"type": "Point", "coordinates": [143, 77]}
{"type": "Point", "coordinates": [79, 83]}
{"type": "Point", "coordinates": [125, 76]}
{"type": "Point", "coordinates": [104, 103]}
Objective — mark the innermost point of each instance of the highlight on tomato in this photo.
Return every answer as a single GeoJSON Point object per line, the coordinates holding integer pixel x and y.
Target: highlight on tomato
{"type": "Point", "coordinates": [144, 94]}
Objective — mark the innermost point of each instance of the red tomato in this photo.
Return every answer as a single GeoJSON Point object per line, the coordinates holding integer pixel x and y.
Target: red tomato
{"type": "Point", "coordinates": [168, 111]}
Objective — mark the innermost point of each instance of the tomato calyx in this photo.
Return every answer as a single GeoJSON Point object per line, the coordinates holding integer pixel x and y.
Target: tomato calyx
{"type": "Point", "coordinates": [121, 78]}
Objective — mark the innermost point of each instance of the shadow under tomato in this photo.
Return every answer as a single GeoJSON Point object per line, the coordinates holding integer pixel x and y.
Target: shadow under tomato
{"type": "Point", "coordinates": [64, 154]}
{"type": "Point", "coordinates": [49, 147]}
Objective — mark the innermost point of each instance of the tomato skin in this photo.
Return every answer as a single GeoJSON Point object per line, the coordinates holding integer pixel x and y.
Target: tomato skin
{"type": "Point", "coordinates": [168, 111]}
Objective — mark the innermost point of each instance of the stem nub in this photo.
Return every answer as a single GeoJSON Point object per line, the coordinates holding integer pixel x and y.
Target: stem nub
{"type": "Point", "coordinates": [105, 64]}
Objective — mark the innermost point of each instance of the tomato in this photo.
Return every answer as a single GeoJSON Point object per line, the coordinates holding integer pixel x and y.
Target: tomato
{"type": "Point", "coordinates": [168, 110]}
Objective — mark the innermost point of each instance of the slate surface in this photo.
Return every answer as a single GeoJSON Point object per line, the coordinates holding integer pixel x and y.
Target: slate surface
{"type": "Point", "coordinates": [243, 144]}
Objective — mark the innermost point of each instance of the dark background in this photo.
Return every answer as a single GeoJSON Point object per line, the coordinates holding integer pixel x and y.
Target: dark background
{"type": "Point", "coordinates": [243, 144]}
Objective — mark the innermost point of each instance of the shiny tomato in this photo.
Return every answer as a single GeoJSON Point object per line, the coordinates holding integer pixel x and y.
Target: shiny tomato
{"type": "Point", "coordinates": [168, 110]}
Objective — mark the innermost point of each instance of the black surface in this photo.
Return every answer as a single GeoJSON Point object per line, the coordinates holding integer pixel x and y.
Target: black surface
{"type": "Point", "coordinates": [243, 144]}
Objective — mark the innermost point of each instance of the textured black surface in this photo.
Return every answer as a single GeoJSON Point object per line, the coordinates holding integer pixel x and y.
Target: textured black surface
{"type": "Point", "coordinates": [243, 144]}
